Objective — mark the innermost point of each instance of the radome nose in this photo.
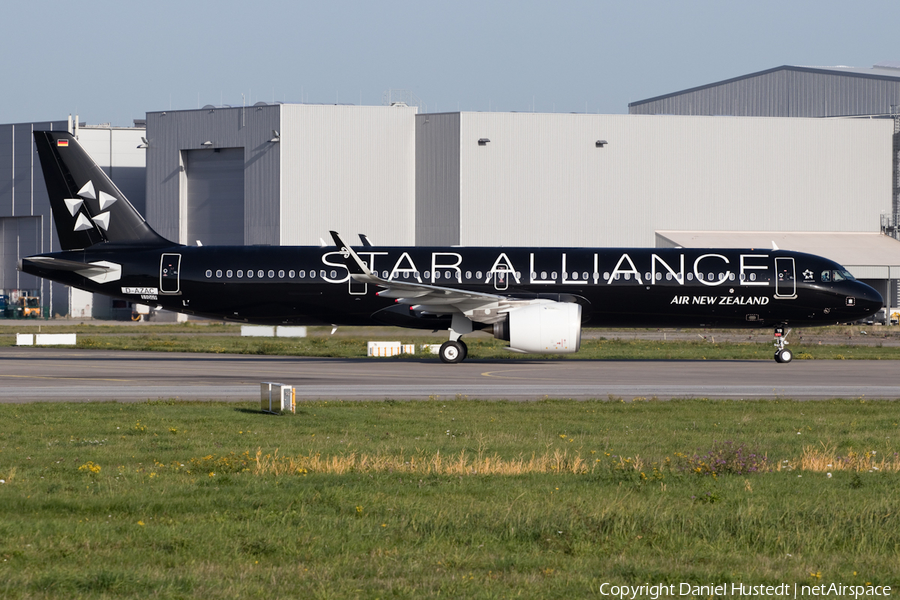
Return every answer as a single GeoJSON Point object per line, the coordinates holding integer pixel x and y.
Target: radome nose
{"type": "Point", "coordinates": [868, 300]}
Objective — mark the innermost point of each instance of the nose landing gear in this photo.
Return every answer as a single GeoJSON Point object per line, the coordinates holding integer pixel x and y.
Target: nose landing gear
{"type": "Point", "coordinates": [782, 354]}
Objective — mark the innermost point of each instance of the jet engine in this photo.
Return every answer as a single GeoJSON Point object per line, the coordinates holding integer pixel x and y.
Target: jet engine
{"type": "Point", "coordinates": [548, 327]}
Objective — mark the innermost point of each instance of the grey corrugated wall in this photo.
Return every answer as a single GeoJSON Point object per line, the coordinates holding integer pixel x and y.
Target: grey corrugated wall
{"type": "Point", "coordinates": [437, 179]}
{"type": "Point", "coordinates": [781, 92]}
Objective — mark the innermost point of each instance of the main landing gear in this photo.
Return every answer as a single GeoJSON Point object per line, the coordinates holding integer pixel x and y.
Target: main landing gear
{"type": "Point", "coordinates": [782, 354]}
{"type": "Point", "coordinates": [453, 351]}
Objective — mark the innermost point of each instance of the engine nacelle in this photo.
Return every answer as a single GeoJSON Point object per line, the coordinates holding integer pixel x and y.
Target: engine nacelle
{"type": "Point", "coordinates": [548, 327]}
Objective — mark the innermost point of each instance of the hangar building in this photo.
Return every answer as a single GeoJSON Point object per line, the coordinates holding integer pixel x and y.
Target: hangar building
{"type": "Point", "coordinates": [282, 174]}
{"type": "Point", "coordinates": [808, 92]}
{"type": "Point", "coordinates": [26, 225]}
{"type": "Point", "coordinates": [787, 91]}
{"type": "Point", "coordinates": [614, 180]}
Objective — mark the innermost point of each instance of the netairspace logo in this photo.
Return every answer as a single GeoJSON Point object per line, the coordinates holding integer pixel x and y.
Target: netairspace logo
{"type": "Point", "coordinates": [737, 590]}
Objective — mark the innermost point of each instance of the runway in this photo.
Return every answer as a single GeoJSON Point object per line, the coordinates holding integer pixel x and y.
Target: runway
{"type": "Point", "coordinates": [52, 375]}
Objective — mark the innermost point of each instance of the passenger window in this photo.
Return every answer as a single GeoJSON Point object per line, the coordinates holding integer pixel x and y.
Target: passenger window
{"type": "Point", "coordinates": [229, 273]}
{"type": "Point", "coordinates": [271, 274]}
{"type": "Point", "coordinates": [301, 274]}
{"type": "Point", "coordinates": [333, 274]}
{"type": "Point", "coordinates": [437, 275]}
{"type": "Point", "coordinates": [240, 273]}
{"type": "Point", "coordinates": [553, 275]}
{"type": "Point", "coordinates": [291, 273]}
{"type": "Point", "coordinates": [280, 274]}
{"type": "Point", "coordinates": [260, 273]}
{"type": "Point", "coordinates": [690, 276]}
{"type": "Point", "coordinates": [249, 273]}
{"type": "Point", "coordinates": [322, 273]}
{"type": "Point", "coordinates": [543, 274]}
{"type": "Point", "coordinates": [478, 274]}
{"type": "Point", "coordinates": [468, 274]}
{"type": "Point", "coordinates": [219, 273]}
{"type": "Point", "coordinates": [585, 275]}
{"type": "Point", "coordinates": [208, 273]}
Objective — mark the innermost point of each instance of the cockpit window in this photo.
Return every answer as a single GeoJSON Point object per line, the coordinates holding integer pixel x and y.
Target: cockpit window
{"type": "Point", "coordinates": [836, 275]}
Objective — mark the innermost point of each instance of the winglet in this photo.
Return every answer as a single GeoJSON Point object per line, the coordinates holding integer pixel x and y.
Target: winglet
{"type": "Point", "coordinates": [365, 240]}
{"type": "Point", "coordinates": [358, 269]}
{"type": "Point", "coordinates": [775, 246]}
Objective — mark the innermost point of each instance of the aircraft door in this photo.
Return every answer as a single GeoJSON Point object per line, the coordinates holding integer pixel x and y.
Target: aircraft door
{"type": "Point", "coordinates": [170, 274]}
{"type": "Point", "coordinates": [501, 280]}
{"type": "Point", "coordinates": [785, 279]}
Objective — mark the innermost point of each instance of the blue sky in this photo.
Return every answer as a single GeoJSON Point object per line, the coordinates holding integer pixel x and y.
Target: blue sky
{"type": "Point", "coordinates": [113, 61]}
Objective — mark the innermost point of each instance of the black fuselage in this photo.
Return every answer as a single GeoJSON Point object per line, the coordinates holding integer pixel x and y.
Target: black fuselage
{"type": "Point", "coordinates": [620, 287]}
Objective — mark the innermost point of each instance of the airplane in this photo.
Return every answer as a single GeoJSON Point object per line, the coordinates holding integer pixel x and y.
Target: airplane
{"type": "Point", "coordinates": [536, 299]}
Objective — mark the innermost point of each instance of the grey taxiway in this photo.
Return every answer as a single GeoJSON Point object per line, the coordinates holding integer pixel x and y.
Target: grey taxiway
{"type": "Point", "coordinates": [29, 374]}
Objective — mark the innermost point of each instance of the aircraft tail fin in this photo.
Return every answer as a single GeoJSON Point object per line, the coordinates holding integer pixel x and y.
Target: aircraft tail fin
{"type": "Point", "coordinates": [87, 206]}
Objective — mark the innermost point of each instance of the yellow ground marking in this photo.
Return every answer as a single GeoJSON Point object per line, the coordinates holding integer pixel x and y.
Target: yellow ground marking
{"type": "Point", "coordinates": [496, 375]}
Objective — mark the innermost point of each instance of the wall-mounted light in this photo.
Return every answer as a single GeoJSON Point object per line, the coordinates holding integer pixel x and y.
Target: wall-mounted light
{"type": "Point", "coordinates": [144, 143]}
{"type": "Point", "coordinates": [206, 144]}
{"type": "Point", "coordinates": [276, 137]}
{"type": "Point", "coordinates": [600, 143]}
{"type": "Point", "coordinates": [483, 142]}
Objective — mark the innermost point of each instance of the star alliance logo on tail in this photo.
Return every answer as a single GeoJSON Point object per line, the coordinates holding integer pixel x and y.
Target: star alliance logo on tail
{"type": "Point", "coordinates": [87, 192]}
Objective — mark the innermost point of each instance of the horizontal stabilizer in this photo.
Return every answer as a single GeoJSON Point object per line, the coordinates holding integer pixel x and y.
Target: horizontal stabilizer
{"type": "Point", "coordinates": [99, 272]}
{"type": "Point", "coordinates": [59, 264]}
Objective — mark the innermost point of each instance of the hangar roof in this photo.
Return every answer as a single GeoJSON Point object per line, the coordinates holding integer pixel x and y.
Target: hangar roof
{"type": "Point", "coordinates": [886, 70]}
{"type": "Point", "coordinates": [866, 255]}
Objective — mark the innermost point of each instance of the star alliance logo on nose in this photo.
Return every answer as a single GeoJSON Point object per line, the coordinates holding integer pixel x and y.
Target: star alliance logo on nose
{"type": "Point", "coordinates": [807, 275]}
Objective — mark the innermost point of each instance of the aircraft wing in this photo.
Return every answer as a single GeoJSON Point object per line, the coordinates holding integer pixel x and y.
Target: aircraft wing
{"type": "Point", "coordinates": [428, 298]}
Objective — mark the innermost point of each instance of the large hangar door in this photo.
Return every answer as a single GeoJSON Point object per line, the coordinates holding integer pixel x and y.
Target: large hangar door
{"type": "Point", "coordinates": [19, 237]}
{"type": "Point", "coordinates": [215, 196]}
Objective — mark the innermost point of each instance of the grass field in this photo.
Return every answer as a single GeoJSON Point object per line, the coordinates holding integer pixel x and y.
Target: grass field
{"type": "Point", "coordinates": [443, 498]}
{"type": "Point", "coordinates": [226, 339]}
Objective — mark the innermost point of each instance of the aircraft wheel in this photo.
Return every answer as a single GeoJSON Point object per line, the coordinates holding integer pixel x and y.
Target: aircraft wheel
{"type": "Point", "coordinates": [452, 352]}
{"type": "Point", "coordinates": [465, 350]}
{"type": "Point", "coordinates": [784, 356]}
